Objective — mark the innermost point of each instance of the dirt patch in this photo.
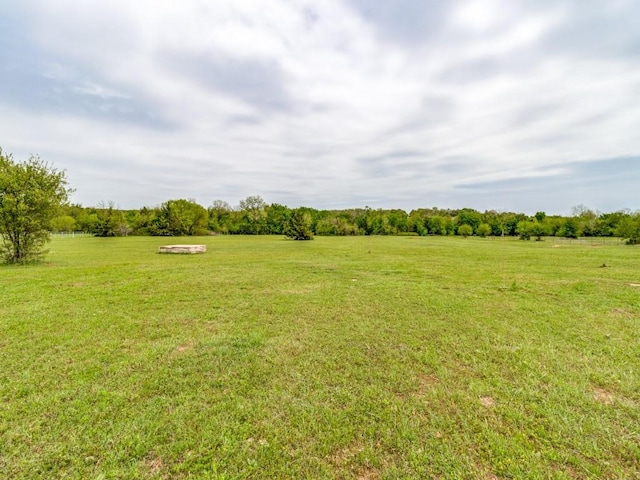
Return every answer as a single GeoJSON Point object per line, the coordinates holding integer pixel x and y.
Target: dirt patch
{"type": "Point", "coordinates": [601, 395]}
{"type": "Point", "coordinates": [368, 474]}
{"type": "Point", "coordinates": [621, 312]}
{"type": "Point", "coordinates": [296, 291]}
{"type": "Point", "coordinates": [183, 349]}
{"type": "Point", "coordinates": [154, 464]}
{"type": "Point", "coordinates": [260, 442]}
{"type": "Point", "coordinates": [344, 455]}
{"type": "Point", "coordinates": [427, 381]}
{"type": "Point", "coordinates": [571, 472]}
{"type": "Point", "coordinates": [487, 402]}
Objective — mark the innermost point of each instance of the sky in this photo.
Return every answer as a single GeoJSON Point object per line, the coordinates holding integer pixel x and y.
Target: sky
{"type": "Point", "coordinates": [516, 105]}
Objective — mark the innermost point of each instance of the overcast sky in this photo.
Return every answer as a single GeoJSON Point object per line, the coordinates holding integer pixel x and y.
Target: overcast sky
{"type": "Point", "coordinates": [518, 105]}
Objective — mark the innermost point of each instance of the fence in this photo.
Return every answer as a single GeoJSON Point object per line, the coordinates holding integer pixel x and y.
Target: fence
{"type": "Point", "coordinates": [71, 234]}
{"type": "Point", "coordinates": [587, 241]}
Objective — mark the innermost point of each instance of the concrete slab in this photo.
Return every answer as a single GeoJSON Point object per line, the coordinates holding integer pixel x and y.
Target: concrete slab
{"type": "Point", "coordinates": [183, 249]}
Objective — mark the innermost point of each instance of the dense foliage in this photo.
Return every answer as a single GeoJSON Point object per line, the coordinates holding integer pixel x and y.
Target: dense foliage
{"type": "Point", "coordinates": [31, 194]}
{"type": "Point", "coordinates": [299, 226]}
{"type": "Point", "coordinates": [254, 216]}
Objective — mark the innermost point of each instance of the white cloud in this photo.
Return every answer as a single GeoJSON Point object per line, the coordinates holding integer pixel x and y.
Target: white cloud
{"type": "Point", "coordinates": [290, 99]}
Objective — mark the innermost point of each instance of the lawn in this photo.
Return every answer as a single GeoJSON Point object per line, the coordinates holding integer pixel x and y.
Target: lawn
{"type": "Point", "coordinates": [364, 357]}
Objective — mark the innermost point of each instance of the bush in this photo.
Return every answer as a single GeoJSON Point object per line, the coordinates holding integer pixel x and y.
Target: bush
{"type": "Point", "coordinates": [465, 230]}
{"type": "Point", "coordinates": [484, 230]}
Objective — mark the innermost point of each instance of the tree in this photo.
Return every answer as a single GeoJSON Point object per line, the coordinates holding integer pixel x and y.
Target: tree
{"type": "Point", "coordinates": [469, 216]}
{"type": "Point", "coordinates": [277, 218]}
{"type": "Point", "coordinates": [583, 212]}
{"type": "Point", "coordinates": [539, 229]}
{"type": "Point", "coordinates": [181, 217]}
{"type": "Point", "coordinates": [254, 215]}
{"type": "Point", "coordinates": [416, 223]}
{"type": "Point", "coordinates": [437, 225]}
{"type": "Point", "coordinates": [31, 195]}
{"type": "Point", "coordinates": [484, 229]}
{"type": "Point", "coordinates": [511, 221]}
{"type": "Point", "coordinates": [299, 225]}
{"type": "Point", "coordinates": [570, 228]}
{"type": "Point", "coordinates": [87, 220]}
{"type": "Point", "coordinates": [525, 229]}
{"type": "Point", "coordinates": [110, 221]}
{"type": "Point", "coordinates": [465, 230]}
{"type": "Point", "coordinates": [629, 228]}
{"type": "Point", "coordinates": [220, 216]}
{"type": "Point", "coordinates": [62, 223]}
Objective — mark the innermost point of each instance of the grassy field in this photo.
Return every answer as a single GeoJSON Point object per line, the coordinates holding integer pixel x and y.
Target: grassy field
{"type": "Point", "coordinates": [365, 358]}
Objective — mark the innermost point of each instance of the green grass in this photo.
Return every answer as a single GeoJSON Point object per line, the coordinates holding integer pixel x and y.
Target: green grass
{"type": "Point", "coordinates": [371, 358]}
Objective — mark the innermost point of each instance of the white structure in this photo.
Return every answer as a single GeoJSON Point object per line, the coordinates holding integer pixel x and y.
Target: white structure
{"type": "Point", "coordinates": [183, 249]}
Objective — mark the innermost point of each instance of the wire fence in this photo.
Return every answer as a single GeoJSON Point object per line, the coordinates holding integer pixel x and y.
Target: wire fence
{"type": "Point", "coordinates": [71, 234]}
{"type": "Point", "coordinates": [587, 241]}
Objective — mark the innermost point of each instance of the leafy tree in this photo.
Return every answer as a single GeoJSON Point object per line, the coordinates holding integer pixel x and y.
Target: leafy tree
{"type": "Point", "coordinates": [554, 225]}
{"type": "Point", "coordinates": [495, 221]}
{"type": "Point", "coordinates": [609, 222]}
{"type": "Point", "coordinates": [511, 221]}
{"type": "Point", "coordinates": [181, 217]}
{"type": "Point", "coordinates": [437, 225]}
{"type": "Point", "coordinates": [379, 224]}
{"type": "Point", "coordinates": [570, 228]}
{"type": "Point", "coordinates": [416, 223]}
{"type": "Point", "coordinates": [398, 220]}
{"type": "Point", "coordinates": [299, 225]}
{"type": "Point", "coordinates": [220, 216]}
{"type": "Point", "coordinates": [469, 216]}
{"type": "Point", "coordinates": [465, 230]}
{"type": "Point", "coordinates": [110, 221]}
{"type": "Point", "coordinates": [363, 220]}
{"type": "Point", "coordinates": [524, 229]}
{"type": "Point", "coordinates": [87, 220]}
{"type": "Point", "coordinates": [539, 229]}
{"type": "Point", "coordinates": [31, 195]}
{"type": "Point", "coordinates": [254, 215]}
{"type": "Point", "coordinates": [141, 221]}
{"type": "Point", "coordinates": [629, 228]}
{"type": "Point", "coordinates": [62, 223]}
{"type": "Point", "coordinates": [338, 226]}
{"type": "Point", "coordinates": [277, 218]}
{"type": "Point", "coordinates": [483, 230]}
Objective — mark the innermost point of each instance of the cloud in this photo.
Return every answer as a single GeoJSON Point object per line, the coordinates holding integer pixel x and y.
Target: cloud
{"type": "Point", "coordinates": [334, 104]}
{"type": "Point", "coordinates": [607, 180]}
{"type": "Point", "coordinates": [260, 84]}
{"type": "Point", "coordinates": [388, 164]}
{"type": "Point", "coordinates": [404, 21]}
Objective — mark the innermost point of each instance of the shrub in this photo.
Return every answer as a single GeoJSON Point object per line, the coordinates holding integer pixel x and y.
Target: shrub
{"type": "Point", "coordinates": [465, 230]}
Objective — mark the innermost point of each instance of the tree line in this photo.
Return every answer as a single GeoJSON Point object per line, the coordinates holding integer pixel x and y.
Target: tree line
{"type": "Point", "coordinates": [34, 201]}
{"type": "Point", "coordinates": [253, 216]}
